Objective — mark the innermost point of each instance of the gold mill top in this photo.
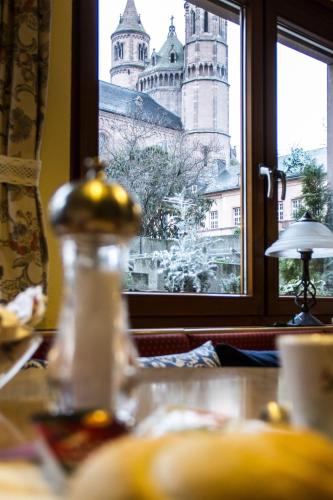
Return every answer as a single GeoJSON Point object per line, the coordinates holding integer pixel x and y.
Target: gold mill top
{"type": "Point", "coordinates": [94, 205]}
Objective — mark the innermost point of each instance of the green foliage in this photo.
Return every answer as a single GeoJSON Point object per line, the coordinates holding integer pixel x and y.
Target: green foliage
{"type": "Point", "coordinates": [315, 192]}
{"type": "Point", "coordinates": [291, 271]}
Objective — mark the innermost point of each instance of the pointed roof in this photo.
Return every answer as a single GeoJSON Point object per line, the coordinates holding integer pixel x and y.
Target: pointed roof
{"type": "Point", "coordinates": [130, 20]}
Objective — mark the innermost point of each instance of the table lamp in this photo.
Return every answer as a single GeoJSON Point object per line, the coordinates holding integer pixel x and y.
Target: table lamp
{"type": "Point", "coordinates": [306, 239]}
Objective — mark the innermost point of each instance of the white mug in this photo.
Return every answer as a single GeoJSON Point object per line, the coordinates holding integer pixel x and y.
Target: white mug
{"type": "Point", "coordinates": [307, 371]}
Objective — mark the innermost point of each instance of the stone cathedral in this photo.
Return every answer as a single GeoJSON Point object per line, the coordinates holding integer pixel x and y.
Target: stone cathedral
{"type": "Point", "coordinates": [188, 84]}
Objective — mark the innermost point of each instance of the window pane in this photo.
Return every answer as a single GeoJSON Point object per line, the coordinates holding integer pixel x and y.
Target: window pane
{"type": "Point", "coordinates": [304, 94]}
{"type": "Point", "coordinates": [170, 132]}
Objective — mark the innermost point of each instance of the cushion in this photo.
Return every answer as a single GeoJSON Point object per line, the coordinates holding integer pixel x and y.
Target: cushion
{"type": "Point", "coordinates": [230, 356]}
{"type": "Point", "coordinates": [202, 356]}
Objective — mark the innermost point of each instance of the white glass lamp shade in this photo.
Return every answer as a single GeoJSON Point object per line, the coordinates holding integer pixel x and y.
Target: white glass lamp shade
{"type": "Point", "coordinates": [304, 235]}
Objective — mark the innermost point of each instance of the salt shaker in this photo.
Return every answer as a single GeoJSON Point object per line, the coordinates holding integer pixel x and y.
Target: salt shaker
{"type": "Point", "coordinates": [92, 361]}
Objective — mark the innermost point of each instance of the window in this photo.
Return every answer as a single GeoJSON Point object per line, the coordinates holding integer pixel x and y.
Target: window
{"type": "Point", "coordinates": [205, 21]}
{"type": "Point", "coordinates": [221, 27]}
{"type": "Point", "coordinates": [213, 216]}
{"type": "Point", "coordinates": [236, 216]}
{"type": "Point", "coordinates": [296, 206]}
{"type": "Point", "coordinates": [280, 211]}
{"type": "Point", "coordinates": [119, 51]}
{"type": "Point", "coordinates": [261, 26]}
{"type": "Point", "coordinates": [172, 57]}
{"type": "Point", "coordinates": [142, 52]}
{"type": "Point", "coordinates": [193, 21]}
{"type": "Point", "coordinates": [165, 181]}
{"type": "Point", "coordinates": [205, 152]}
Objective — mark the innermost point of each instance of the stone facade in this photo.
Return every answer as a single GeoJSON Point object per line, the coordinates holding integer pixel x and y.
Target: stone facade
{"type": "Point", "coordinates": [184, 90]}
{"type": "Point", "coordinates": [189, 81]}
{"type": "Point", "coordinates": [129, 48]}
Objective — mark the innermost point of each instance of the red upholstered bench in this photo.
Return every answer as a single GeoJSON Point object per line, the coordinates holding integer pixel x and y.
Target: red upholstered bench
{"type": "Point", "coordinates": [255, 341]}
{"type": "Point", "coordinates": [160, 342]}
{"type": "Point", "coordinates": [259, 339]}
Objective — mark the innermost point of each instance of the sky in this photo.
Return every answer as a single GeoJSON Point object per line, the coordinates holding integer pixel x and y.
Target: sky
{"type": "Point", "coordinates": [302, 87]}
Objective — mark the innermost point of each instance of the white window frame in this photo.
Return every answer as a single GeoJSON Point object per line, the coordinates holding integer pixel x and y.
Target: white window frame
{"type": "Point", "coordinates": [236, 213]}
{"type": "Point", "coordinates": [296, 204]}
{"type": "Point", "coordinates": [214, 219]}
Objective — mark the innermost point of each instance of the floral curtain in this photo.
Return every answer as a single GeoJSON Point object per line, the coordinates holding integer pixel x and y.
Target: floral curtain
{"type": "Point", "coordinates": [24, 54]}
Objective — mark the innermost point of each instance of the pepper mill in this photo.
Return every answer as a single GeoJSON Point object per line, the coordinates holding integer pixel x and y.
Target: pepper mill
{"type": "Point", "coordinates": [92, 361]}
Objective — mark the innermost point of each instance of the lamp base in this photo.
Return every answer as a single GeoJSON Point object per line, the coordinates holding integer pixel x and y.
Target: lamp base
{"type": "Point", "coordinates": [304, 319]}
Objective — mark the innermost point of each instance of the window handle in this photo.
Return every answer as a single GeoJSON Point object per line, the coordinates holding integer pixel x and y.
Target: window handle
{"type": "Point", "coordinates": [268, 173]}
{"type": "Point", "coordinates": [273, 174]}
{"type": "Point", "coordinates": [280, 174]}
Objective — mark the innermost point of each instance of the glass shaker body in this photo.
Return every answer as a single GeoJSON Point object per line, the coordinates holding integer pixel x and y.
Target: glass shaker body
{"type": "Point", "coordinates": [92, 362]}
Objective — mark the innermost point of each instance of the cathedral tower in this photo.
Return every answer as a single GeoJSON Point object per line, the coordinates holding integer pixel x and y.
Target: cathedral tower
{"type": "Point", "coordinates": [129, 48]}
{"type": "Point", "coordinates": [205, 90]}
{"type": "Point", "coordinates": [163, 78]}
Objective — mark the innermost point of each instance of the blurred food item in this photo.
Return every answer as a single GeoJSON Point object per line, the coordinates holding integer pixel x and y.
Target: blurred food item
{"type": "Point", "coordinates": [23, 481]}
{"type": "Point", "coordinates": [173, 418]}
{"type": "Point", "coordinates": [69, 438]}
{"type": "Point", "coordinates": [29, 306]}
{"type": "Point", "coordinates": [209, 465]}
{"type": "Point", "coordinates": [121, 470]}
{"type": "Point", "coordinates": [19, 317]}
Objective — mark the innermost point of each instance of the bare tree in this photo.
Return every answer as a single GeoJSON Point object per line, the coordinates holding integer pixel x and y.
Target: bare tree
{"type": "Point", "coordinates": [155, 163]}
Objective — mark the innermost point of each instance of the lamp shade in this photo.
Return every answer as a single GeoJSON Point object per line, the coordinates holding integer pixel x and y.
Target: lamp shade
{"type": "Point", "coordinates": [304, 235]}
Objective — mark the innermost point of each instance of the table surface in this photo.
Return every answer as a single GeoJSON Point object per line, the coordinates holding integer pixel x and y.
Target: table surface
{"type": "Point", "coordinates": [235, 392]}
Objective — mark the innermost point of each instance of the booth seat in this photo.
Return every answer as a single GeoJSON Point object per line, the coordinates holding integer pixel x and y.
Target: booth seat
{"type": "Point", "coordinates": [163, 342]}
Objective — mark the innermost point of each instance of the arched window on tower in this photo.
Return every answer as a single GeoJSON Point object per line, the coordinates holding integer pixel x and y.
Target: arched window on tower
{"type": "Point", "coordinates": [142, 51]}
{"type": "Point", "coordinates": [173, 57]}
{"type": "Point", "coordinates": [192, 22]}
{"type": "Point", "coordinates": [206, 22]}
{"type": "Point", "coordinates": [118, 51]}
{"type": "Point", "coordinates": [221, 27]}
{"type": "Point", "coordinates": [153, 58]}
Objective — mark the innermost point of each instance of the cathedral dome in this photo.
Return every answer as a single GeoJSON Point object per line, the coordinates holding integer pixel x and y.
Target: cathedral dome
{"type": "Point", "coordinates": [130, 20]}
{"type": "Point", "coordinates": [171, 55]}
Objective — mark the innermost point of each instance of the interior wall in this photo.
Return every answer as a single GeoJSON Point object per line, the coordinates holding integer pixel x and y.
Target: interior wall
{"type": "Point", "coordinates": [55, 154]}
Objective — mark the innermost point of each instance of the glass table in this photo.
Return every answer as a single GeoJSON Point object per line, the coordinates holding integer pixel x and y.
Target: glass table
{"type": "Point", "coordinates": [234, 392]}
{"type": "Point", "coordinates": [240, 393]}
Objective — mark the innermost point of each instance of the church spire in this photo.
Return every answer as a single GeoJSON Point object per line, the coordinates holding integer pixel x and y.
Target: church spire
{"type": "Point", "coordinates": [130, 20]}
{"type": "Point", "coordinates": [172, 29]}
